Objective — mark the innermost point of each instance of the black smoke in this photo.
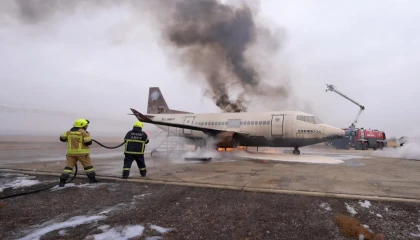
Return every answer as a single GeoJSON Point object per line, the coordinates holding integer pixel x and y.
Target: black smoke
{"type": "Point", "coordinates": [213, 39]}
{"type": "Point", "coordinates": [210, 38]}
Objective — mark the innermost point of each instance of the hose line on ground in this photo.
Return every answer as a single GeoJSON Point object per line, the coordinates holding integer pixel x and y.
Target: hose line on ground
{"type": "Point", "coordinates": [100, 144]}
{"type": "Point", "coordinates": [49, 186]}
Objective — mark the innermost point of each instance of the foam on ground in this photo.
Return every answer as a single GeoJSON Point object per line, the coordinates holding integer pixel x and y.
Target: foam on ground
{"type": "Point", "coordinates": [350, 209]}
{"type": "Point", "coordinates": [72, 222]}
{"type": "Point", "coordinates": [365, 204]}
{"type": "Point", "coordinates": [161, 230]}
{"type": "Point", "coordinates": [120, 232]}
{"type": "Point", "coordinates": [325, 206]}
{"type": "Point", "coordinates": [10, 180]}
{"type": "Point", "coordinates": [300, 159]}
{"type": "Point", "coordinates": [85, 185]}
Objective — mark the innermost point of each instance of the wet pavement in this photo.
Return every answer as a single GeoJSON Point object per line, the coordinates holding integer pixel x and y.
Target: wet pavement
{"type": "Point", "coordinates": [317, 169]}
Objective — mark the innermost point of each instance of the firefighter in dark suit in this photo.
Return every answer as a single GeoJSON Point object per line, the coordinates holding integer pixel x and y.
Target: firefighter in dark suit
{"type": "Point", "coordinates": [135, 143]}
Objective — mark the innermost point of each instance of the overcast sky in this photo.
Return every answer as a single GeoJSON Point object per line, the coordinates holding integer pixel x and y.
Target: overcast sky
{"type": "Point", "coordinates": [103, 64]}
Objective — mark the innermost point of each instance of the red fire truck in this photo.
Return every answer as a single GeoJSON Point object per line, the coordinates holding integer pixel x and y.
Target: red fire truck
{"type": "Point", "coordinates": [361, 139]}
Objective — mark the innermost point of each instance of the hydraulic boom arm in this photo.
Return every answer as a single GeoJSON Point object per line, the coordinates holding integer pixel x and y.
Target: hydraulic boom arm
{"type": "Point", "coordinates": [332, 88]}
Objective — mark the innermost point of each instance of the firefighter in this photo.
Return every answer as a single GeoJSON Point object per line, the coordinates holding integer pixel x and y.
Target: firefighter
{"type": "Point", "coordinates": [78, 139]}
{"type": "Point", "coordinates": [135, 143]}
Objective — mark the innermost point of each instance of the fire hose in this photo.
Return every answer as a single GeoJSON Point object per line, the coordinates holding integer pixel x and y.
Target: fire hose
{"type": "Point", "coordinates": [49, 186]}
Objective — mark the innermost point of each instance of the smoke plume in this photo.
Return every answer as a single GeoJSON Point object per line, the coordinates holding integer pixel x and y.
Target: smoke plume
{"type": "Point", "coordinates": [223, 44]}
{"type": "Point", "coordinates": [216, 40]}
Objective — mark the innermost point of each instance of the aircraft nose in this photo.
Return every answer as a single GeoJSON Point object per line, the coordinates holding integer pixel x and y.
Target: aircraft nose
{"type": "Point", "coordinates": [333, 132]}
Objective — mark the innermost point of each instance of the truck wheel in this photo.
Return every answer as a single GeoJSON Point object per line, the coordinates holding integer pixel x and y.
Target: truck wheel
{"type": "Point", "coordinates": [381, 145]}
{"type": "Point", "coordinates": [358, 146]}
{"type": "Point", "coordinates": [365, 146]}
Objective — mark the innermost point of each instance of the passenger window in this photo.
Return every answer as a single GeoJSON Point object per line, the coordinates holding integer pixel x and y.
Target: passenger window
{"type": "Point", "coordinates": [302, 118]}
{"type": "Point", "coordinates": [260, 123]}
{"type": "Point", "coordinates": [252, 122]}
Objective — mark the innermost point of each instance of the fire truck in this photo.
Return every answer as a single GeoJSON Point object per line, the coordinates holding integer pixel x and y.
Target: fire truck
{"type": "Point", "coordinates": [358, 138]}
{"type": "Point", "coordinates": [361, 139]}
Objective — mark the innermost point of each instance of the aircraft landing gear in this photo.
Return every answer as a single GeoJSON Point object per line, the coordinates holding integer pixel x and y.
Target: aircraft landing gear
{"type": "Point", "coordinates": [296, 151]}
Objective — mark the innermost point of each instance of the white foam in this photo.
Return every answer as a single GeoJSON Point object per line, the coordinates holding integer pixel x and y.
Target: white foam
{"type": "Point", "coordinates": [17, 182]}
{"type": "Point", "coordinates": [62, 232]}
{"type": "Point", "coordinates": [350, 209]}
{"type": "Point", "coordinates": [117, 207]}
{"type": "Point", "coordinates": [154, 238]}
{"type": "Point", "coordinates": [416, 234]}
{"type": "Point", "coordinates": [300, 159]}
{"type": "Point", "coordinates": [141, 196]}
{"type": "Point", "coordinates": [72, 222]}
{"type": "Point", "coordinates": [325, 206]}
{"type": "Point", "coordinates": [104, 227]}
{"type": "Point", "coordinates": [120, 233]}
{"type": "Point", "coordinates": [161, 229]}
{"type": "Point", "coordinates": [85, 185]}
{"type": "Point", "coordinates": [365, 204]}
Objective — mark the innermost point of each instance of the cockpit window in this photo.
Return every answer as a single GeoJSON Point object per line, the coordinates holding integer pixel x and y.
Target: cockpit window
{"type": "Point", "coordinates": [309, 119]}
{"type": "Point", "coordinates": [317, 120]}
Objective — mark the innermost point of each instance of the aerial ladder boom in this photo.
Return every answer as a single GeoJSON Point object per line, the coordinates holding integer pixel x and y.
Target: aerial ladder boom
{"type": "Point", "coordinates": [332, 88]}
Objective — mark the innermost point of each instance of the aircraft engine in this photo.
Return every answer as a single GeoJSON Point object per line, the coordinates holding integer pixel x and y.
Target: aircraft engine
{"type": "Point", "coordinates": [227, 140]}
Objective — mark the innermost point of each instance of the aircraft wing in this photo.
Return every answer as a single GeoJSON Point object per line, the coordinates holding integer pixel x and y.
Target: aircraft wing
{"type": "Point", "coordinates": [209, 131]}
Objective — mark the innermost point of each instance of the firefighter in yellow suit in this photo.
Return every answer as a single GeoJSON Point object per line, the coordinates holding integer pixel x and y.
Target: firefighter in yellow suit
{"type": "Point", "coordinates": [78, 140]}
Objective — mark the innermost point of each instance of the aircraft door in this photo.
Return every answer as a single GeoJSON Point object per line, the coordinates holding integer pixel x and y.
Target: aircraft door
{"type": "Point", "coordinates": [188, 121]}
{"type": "Point", "coordinates": [277, 125]}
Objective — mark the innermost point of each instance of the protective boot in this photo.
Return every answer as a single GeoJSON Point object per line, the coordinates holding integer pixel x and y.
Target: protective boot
{"type": "Point", "coordinates": [92, 177]}
{"type": "Point", "coordinates": [125, 173]}
{"type": "Point", "coordinates": [143, 172]}
{"type": "Point", "coordinates": [63, 180]}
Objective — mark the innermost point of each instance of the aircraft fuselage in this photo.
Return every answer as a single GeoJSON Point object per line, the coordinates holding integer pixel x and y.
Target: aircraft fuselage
{"type": "Point", "coordinates": [271, 129]}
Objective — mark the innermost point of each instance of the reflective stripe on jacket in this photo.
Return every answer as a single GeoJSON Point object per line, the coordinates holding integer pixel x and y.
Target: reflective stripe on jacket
{"type": "Point", "coordinates": [78, 140]}
{"type": "Point", "coordinates": [135, 141]}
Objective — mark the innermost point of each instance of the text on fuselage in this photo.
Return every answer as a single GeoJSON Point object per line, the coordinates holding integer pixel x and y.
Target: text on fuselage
{"type": "Point", "coordinates": [309, 131]}
{"type": "Point", "coordinates": [168, 119]}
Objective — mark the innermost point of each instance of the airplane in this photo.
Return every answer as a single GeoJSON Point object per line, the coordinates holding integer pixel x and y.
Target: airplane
{"type": "Point", "coordinates": [229, 130]}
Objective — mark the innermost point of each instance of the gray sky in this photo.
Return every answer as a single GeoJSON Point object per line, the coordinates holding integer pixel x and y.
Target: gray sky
{"type": "Point", "coordinates": [109, 59]}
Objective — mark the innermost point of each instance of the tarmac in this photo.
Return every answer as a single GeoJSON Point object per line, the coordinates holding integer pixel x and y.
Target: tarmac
{"type": "Point", "coordinates": [319, 170]}
{"type": "Point", "coordinates": [264, 194]}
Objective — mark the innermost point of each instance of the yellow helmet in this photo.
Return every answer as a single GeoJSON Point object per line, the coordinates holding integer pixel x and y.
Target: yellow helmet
{"type": "Point", "coordinates": [138, 124]}
{"type": "Point", "coordinates": [81, 122]}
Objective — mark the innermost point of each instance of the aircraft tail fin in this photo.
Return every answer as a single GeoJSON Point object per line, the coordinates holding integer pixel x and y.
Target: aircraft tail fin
{"type": "Point", "coordinates": [157, 104]}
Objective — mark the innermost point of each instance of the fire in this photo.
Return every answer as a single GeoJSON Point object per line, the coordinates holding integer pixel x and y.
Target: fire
{"type": "Point", "coordinates": [225, 149]}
